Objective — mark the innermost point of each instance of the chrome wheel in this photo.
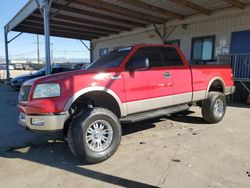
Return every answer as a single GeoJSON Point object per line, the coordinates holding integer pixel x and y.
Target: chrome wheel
{"type": "Point", "coordinates": [219, 108]}
{"type": "Point", "coordinates": [99, 135]}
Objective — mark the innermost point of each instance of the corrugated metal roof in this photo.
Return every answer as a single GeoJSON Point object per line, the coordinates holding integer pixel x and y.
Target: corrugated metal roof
{"type": "Point", "coordinates": [139, 9]}
{"type": "Point", "coordinates": [211, 5]}
{"type": "Point", "coordinates": [104, 13]}
{"type": "Point", "coordinates": [168, 5]}
{"type": "Point", "coordinates": [89, 19]}
{"type": "Point", "coordinates": [245, 1]}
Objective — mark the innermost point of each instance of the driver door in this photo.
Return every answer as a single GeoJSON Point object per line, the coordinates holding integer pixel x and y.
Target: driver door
{"type": "Point", "coordinates": [151, 88]}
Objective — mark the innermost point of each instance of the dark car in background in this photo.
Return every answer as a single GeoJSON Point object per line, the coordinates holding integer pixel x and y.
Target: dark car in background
{"type": "Point", "coordinates": [17, 81]}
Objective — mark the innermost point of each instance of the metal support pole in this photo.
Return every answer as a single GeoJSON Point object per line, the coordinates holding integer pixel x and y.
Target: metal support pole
{"type": "Point", "coordinates": [85, 45]}
{"type": "Point", "coordinates": [158, 32]}
{"type": "Point", "coordinates": [51, 53]}
{"type": "Point", "coordinates": [170, 33]}
{"type": "Point", "coordinates": [15, 37]}
{"type": "Point", "coordinates": [46, 7]}
{"type": "Point", "coordinates": [38, 51]}
{"type": "Point", "coordinates": [6, 53]}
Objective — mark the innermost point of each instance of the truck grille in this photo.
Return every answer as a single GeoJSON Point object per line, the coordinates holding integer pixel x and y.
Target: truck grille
{"type": "Point", "coordinates": [24, 94]}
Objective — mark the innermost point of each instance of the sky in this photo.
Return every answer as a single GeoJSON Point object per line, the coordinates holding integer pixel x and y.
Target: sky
{"type": "Point", "coordinates": [25, 45]}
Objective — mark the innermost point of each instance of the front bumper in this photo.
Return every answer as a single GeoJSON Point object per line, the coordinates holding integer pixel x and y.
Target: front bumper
{"type": "Point", "coordinates": [43, 122]}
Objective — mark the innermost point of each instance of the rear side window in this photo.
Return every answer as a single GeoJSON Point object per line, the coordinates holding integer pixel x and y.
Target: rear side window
{"type": "Point", "coordinates": [171, 56]}
{"type": "Point", "coordinates": [152, 53]}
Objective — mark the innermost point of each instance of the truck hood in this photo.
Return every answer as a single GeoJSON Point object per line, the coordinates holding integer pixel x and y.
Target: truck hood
{"type": "Point", "coordinates": [57, 77]}
{"type": "Point", "coordinates": [74, 80]}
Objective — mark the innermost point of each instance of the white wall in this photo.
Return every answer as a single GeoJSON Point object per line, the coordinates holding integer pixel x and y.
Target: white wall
{"type": "Point", "coordinates": [220, 27]}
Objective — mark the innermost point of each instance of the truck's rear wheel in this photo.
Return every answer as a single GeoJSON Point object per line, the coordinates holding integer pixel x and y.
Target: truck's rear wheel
{"type": "Point", "coordinates": [214, 107]}
{"type": "Point", "coordinates": [95, 135]}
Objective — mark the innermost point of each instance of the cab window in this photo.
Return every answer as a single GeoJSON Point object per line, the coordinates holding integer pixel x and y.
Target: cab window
{"type": "Point", "coordinates": [152, 53]}
{"type": "Point", "coordinates": [171, 56]}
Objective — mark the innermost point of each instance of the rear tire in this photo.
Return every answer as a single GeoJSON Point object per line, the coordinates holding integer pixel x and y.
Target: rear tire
{"type": "Point", "coordinates": [214, 107]}
{"type": "Point", "coordinates": [95, 135]}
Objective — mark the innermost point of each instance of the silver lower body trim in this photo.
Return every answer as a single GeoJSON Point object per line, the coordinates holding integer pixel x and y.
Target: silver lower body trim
{"type": "Point", "coordinates": [166, 101]}
{"type": "Point", "coordinates": [149, 104]}
{"type": "Point", "coordinates": [229, 90]}
{"type": "Point", "coordinates": [199, 95]}
{"type": "Point", "coordinates": [182, 98]}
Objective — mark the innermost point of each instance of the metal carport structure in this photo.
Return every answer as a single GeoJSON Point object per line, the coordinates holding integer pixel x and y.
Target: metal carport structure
{"type": "Point", "coordinates": [92, 19]}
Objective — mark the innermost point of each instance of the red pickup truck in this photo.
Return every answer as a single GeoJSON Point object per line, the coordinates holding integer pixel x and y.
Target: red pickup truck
{"type": "Point", "coordinates": [126, 85]}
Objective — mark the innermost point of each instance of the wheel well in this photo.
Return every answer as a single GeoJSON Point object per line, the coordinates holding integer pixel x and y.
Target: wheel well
{"type": "Point", "coordinates": [92, 99]}
{"type": "Point", "coordinates": [98, 99]}
{"type": "Point", "coordinates": [217, 85]}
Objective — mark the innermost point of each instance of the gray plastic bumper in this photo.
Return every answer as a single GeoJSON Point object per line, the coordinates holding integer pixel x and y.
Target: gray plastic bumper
{"type": "Point", "coordinates": [43, 122]}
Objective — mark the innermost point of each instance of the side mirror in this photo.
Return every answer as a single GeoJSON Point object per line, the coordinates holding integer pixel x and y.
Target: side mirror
{"type": "Point", "coordinates": [139, 65]}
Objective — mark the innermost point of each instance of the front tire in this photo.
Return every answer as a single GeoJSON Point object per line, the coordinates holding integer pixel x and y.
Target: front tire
{"type": "Point", "coordinates": [214, 107]}
{"type": "Point", "coordinates": [95, 135]}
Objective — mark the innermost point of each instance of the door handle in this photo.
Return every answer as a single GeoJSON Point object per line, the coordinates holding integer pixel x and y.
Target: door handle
{"type": "Point", "coordinates": [166, 75]}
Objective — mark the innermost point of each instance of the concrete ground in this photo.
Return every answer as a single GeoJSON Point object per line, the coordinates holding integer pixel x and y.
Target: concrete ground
{"type": "Point", "coordinates": [176, 151]}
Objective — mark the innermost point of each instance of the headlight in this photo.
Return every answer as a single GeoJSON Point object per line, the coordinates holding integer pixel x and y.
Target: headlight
{"type": "Point", "coordinates": [47, 90]}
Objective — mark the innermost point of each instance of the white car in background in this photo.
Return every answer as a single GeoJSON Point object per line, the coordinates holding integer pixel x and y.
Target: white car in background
{"type": "Point", "coordinates": [11, 67]}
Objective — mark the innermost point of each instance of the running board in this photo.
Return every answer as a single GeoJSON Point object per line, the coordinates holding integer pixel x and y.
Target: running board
{"type": "Point", "coordinates": [154, 113]}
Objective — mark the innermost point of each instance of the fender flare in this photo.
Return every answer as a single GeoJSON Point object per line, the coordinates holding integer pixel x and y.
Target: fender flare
{"type": "Point", "coordinates": [212, 80]}
{"type": "Point", "coordinates": [81, 92]}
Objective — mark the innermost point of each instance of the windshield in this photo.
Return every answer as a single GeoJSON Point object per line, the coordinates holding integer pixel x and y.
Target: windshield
{"type": "Point", "coordinates": [110, 60]}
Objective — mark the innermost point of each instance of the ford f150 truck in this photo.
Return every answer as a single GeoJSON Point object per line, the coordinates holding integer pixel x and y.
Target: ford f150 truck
{"type": "Point", "coordinates": [126, 85]}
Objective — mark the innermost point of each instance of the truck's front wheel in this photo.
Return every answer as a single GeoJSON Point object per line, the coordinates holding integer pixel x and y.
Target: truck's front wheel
{"type": "Point", "coordinates": [214, 107]}
{"type": "Point", "coordinates": [95, 135]}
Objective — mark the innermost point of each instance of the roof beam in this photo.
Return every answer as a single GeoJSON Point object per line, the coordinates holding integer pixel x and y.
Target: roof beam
{"type": "Point", "coordinates": [97, 23]}
{"type": "Point", "coordinates": [98, 15]}
{"type": "Point", "coordinates": [90, 22]}
{"type": "Point", "coordinates": [152, 8]}
{"type": "Point", "coordinates": [65, 27]}
{"type": "Point", "coordinates": [74, 25]}
{"type": "Point", "coordinates": [104, 6]}
{"type": "Point", "coordinates": [236, 3]}
{"type": "Point", "coordinates": [58, 32]}
{"type": "Point", "coordinates": [60, 8]}
{"type": "Point", "coordinates": [52, 33]}
{"type": "Point", "coordinates": [61, 29]}
{"type": "Point", "coordinates": [192, 6]}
